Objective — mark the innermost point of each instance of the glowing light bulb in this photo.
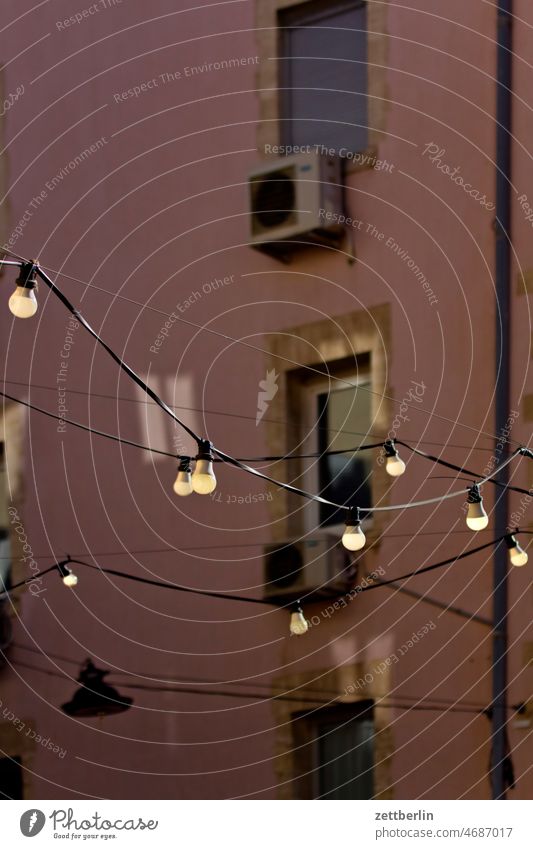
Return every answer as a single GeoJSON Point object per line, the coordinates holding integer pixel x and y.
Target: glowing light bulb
{"type": "Point", "coordinates": [23, 303]}
{"type": "Point", "coordinates": [203, 477]}
{"type": "Point", "coordinates": [183, 482]}
{"type": "Point", "coordinates": [394, 466]}
{"type": "Point", "coordinates": [67, 575]}
{"type": "Point", "coordinates": [298, 624]}
{"type": "Point", "coordinates": [517, 555]}
{"type": "Point", "coordinates": [353, 537]}
{"type": "Point", "coordinates": [476, 518]}
{"type": "Point", "coordinates": [70, 580]}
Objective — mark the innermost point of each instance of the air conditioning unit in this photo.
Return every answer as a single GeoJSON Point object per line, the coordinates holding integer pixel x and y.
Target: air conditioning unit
{"type": "Point", "coordinates": [296, 199]}
{"type": "Point", "coordinates": [315, 568]}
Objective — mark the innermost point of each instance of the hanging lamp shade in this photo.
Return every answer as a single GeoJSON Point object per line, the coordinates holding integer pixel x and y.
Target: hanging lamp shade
{"type": "Point", "coordinates": [95, 697]}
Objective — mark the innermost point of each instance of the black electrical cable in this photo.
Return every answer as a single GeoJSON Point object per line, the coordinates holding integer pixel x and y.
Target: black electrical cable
{"type": "Point", "coordinates": [301, 699]}
{"type": "Point", "coordinates": [353, 593]}
{"type": "Point", "coordinates": [119, 361]}
{"type": "Point", "coordinates": [155, 397]}
{"type": "Point", "coordinates": [85, 427]}
{"type": "Point", "coordinates": [256, 348]}
{"type": "Point", "coordinates": [316, 426]}
{"type": "Point", "coordinates": [150, 581]}
{"type": "Point", "coordinates": [442, 605]}
{"type": "Point", "coordinates": [261, 350]}
{"type": "Point", "coordinates": [221, 454]}
{"type": "Point", "coordinates": [315, 455]}
{"type": "Point", "coordinates": [438, 565]}
{"type": "Point", "coordinates": [261, 697]}
{"type": "Point", "coordinates": [261, 544]}
{"type": "Point", "coordinates": [96, 432]}
{"type": "Point", "coordinates": [475, 475]}
{"type": "Point", "coordinates": [26, 582]}
{"type": "Point", "coordinates": [409, 505]}
{"type": "Point", "coordinates": [193, 680]}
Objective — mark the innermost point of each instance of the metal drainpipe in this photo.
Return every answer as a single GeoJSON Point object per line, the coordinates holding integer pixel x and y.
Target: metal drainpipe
{"type": "Point", "coordinates": [502, 392]}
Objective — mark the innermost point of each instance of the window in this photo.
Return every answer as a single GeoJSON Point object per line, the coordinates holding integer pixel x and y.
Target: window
{"type": "Point", "coordinates": [345, 758]}
{"type": "Point", "coordinates": [343, 415]}
{"type": "Point", "coordinates": [336, 417]}
{"type": "Point", "coordinates": [323, 75]}
{"type": "Point", "coordinates": [336, 753]}
{"type": "Point", "coordinates": [11, 784]}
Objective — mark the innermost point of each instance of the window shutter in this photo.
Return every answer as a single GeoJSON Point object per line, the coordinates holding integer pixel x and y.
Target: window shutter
{"type": "Point", "coordinates": [346, 760]}
{"type": "Point", "coordinates": [324, 76]}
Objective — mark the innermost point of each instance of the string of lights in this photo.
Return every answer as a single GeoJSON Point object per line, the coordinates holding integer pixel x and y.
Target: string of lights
{"type": "Point", "coordinates": [23, 304]}
{"type": "Point", "coordinates": [298, 623]}
{"type": "Point", "coordinates": [395, 464]}
{"type": "Point", "coordinates": [226, 337]}
{"type": "Point", "coordinates": [274, 458]}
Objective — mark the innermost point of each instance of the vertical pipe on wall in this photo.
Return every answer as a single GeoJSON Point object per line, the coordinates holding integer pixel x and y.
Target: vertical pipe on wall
{"type": "Point", "coordinates": [499, 759]}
